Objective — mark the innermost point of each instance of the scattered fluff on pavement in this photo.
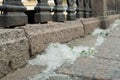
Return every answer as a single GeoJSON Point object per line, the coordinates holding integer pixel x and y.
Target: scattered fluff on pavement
{"type": "Point", "coordinates": [57, 54]}
{"type": "Point", "coordinates": [102, 34]}
{"type": "Point", "coordinates": [115, 24]}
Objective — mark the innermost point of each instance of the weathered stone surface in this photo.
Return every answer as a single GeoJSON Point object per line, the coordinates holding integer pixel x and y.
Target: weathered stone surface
{"type": "Point", "coordinates": [13, 50]}
{"type": "Point", "coordinates": [24, 73]}
{"type": "Point", "coordinates": [93, 69]}
{"type": "Point", "coordinates": [41, 35]}
{"type": "Point", "coordinates": [112, 18]}
{"type": "Point", "coordinates": [90, 24]}
{"type": "Point", "coordinates": [110, 49]}
{"type": "Point", "coordinates": [4, 64]}
{"type": "Point", "coordinates": [107, 20]}
{"type": "Point", "coordinates": [104, 22]}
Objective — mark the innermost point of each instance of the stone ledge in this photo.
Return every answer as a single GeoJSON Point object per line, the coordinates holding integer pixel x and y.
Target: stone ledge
{"type": "Point", "coordinates": [13, 50]}
{"type": "Point", "coordinates": [112, 18]}
{"type": "Point", "coordinates": [90, 24]}
{"type": "Point", "coordinates": [107, 20]}
{"type": "Point", "coordinates": [40, 35]}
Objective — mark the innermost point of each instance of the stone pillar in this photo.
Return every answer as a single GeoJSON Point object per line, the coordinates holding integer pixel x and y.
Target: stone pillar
{"type": "Point", "coordinates": [12, 13]}
{"type": "Point", "coordinates": [42, 14]}
{"type": "Point", "coordinates": [70, 10]}
{"type": "Point", "coordinates": [58, 11]}
{"type": "Point", "coordinates": [100, 9]}
{"type": "Point", "coordinates": [79, 9]}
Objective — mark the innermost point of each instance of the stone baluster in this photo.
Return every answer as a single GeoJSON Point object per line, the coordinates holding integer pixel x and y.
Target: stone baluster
{"type": "Point", "coordinates": [115, 7]}
{"type": "Point", "coordinates": [70, 10]}
{"type": "Point", "coordinates": [109, 7]}
{"type": "Point", "coordinates": [90, 7]}
{"type": "Point", "coordinates": [42, 14]}
{"type": "Point", "coordinates": [112, 7]}
{"type": "Point", "coordinates": [118, 6]}
{"type": "Point", "coordinates": [117, 3]}
{"type": "Point", "coordinates": [79, 9]}
{"type": "Point", "coordinates": [58, 16]}
{"type": "Point", "coordinates": [87, 10]}
{"type": "Point", "coordinates": [12, 13]}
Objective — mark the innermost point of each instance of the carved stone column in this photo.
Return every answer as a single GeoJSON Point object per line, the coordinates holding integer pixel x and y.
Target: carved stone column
{"type": "Point", "coordinates": [79, 9]}
{"type": "Point", "coordinates": [58, 11]}
{"type": "Point", "coordinates": [42, 14]}
{"type": "Point", "coordinates": [70, 10]}
{"type": "Point", "coordinates": [12, 13]}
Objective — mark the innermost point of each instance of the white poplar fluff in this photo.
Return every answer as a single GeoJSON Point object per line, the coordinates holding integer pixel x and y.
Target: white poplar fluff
{"type": "Point", "coordinates": [56, 55]}
{"type": "Point", "coordinates": [102, 34]}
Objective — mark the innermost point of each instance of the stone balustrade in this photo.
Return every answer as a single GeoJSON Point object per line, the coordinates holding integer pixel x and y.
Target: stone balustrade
{"type": "Point", "coordinates": [68, 21]}
{"type": "Point", "coordinates": [14, 13]}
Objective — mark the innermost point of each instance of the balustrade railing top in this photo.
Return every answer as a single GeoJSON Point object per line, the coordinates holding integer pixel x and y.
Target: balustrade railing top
{"type": "Point", "coordinates": [14, 13]}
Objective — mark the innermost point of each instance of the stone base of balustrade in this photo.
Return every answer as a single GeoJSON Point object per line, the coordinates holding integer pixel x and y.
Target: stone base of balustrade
{"type": "Point", "coordinates": [90, 24]}
{"type": "Point", "coordinates": [40, 35]}
{"type": "Point", "coordinates": [112, 18]}
{"type": "Point", "coordinates": [107, 20]}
